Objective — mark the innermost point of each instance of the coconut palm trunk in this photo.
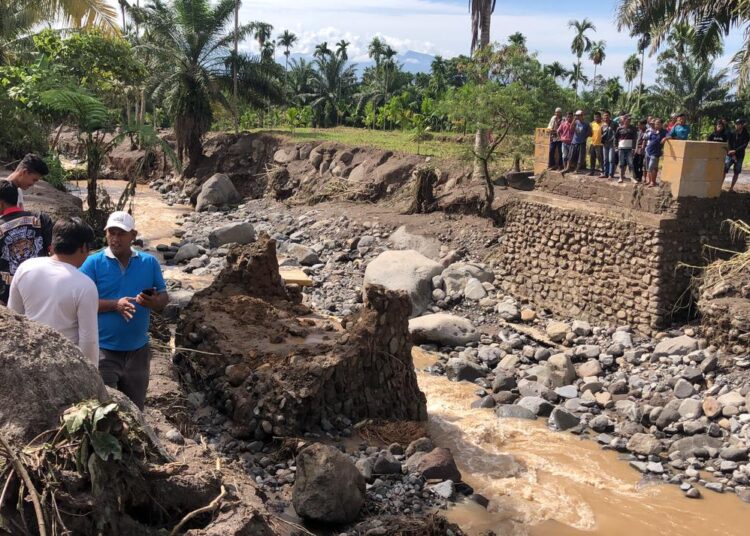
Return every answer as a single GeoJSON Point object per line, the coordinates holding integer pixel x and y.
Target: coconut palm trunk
{"type": "Point", "coordinates": [640, 84]}
{"type": "Point", "coordinates": [235, 106]}
{"type": "Point", "coordinates": [481, 138]}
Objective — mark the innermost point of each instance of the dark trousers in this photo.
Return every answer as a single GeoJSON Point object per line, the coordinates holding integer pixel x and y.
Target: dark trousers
{"type": "Point", "coordinates": [638, 166]}
{"type": "Point", "coordinates": [577, 156]}
{"type": "Point", "coordinates": [596, 154]}
{"type": "Point", "coordinates": [128, 372]}
{"type": "Point", "coordinates": [555, 154]}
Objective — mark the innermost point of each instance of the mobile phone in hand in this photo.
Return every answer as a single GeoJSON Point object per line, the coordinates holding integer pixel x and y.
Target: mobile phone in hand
{"type": "Point", "coordinates": [149, 291]}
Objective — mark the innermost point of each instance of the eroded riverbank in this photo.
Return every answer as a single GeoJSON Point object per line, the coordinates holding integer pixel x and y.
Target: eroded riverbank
{"type": "Point", "coordinates": [539, 482]}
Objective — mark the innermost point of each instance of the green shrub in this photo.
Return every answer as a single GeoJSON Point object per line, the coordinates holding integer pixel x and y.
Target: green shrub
{"type": "Point", "coordinates": [57, 176]}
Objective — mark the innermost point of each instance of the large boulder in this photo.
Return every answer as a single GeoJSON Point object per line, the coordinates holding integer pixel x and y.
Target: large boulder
{"type": "Point", "coordinates": [458, 274]}
{"type": "Point", "coordinates": [443, 328]}
{"type": "Point", "coordinates": [328, 487]}
{"type": "Point", "coordinates": [682, 345]}
{"type": "Point", "coordinates": [217, 191]}
{"type": "Point", "coordinates": [438, 464]}
{"type": "Point", "coordinates": [42, 374]}
{"type": "Point", "coordinates": [405, 270]}
{"type": "Point", "coordinates": [403, 239]}
{"type": "Point", "coordinates": [43, 197]}
{"type": "Point", "coordinates": [237, 233]}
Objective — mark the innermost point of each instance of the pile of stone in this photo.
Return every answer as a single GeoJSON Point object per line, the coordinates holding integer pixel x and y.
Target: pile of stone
{"type": "Point", "coordinates": [666, 403]}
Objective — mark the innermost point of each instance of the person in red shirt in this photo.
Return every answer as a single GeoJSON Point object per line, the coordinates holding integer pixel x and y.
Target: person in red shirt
{"type": "Point", "coordinates": [565, 135]}
{"type": "Point", "coordinates": [23, 235]}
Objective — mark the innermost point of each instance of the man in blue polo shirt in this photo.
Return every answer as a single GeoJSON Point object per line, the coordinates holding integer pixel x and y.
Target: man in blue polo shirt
{"type": "Point", "coordinates": [130, 286]}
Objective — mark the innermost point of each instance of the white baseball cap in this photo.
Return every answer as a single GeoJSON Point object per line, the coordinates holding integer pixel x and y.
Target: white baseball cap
{"type": "Point", "coordinates": [579, 112]}
{"type": "Point", "coordinates": [121, 220]}
{"type": "Point", "coordinates": [558, 110]}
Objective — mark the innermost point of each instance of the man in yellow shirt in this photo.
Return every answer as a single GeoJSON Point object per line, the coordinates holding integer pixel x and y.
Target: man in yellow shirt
{"type": "Point", "coordinates": [596, 149]}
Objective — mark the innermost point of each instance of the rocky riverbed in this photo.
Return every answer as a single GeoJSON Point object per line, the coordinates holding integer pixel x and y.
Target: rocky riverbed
{"type": "Point", "coordinates": [677, 408]}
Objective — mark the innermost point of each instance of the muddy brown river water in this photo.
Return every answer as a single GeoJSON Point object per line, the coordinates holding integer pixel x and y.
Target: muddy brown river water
{"type": "Point", "coordinates": [539, 482]}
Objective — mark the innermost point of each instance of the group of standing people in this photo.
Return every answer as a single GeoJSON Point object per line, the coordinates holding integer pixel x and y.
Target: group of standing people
{"type": "Point", "coordinates": [618, 143]}
{"type": "Point", "coordinates": [101, 302]}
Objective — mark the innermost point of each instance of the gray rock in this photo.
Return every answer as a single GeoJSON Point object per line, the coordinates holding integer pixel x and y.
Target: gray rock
{"type": "Point", "coordinates": [692, 374]}
{"type": "Point", "coordinates": [589, 368]}
{"type": "Point", "coordinates": [174, 436]}
{"type": "Point", "coordinates": [624, 338]}
{"type": "Point", "coordinates": [446, 489]}
{"type": "Point", "coordinates": [732, 398]}
{"type": "Point", "coordinates": [587, 351]}
{"type": "Point", "coordinates": [328, 487]}
{"type": "Point", "coordinates": [669, 414]}
{"type": "Point", "coordinates": [562, 366]}
{"type": "Point", "coordinates": [683, 389]}
{"type": "Point", "coordinates": [427, 246]}
{"type": "Point", "coordinates": [557, 331]}
{"type": "Point", "coordinates": [644, 444]}
{"type": "Point", "coordinates": [536, 405]}
{"type": "Point", "coordinates": [688, 445]}
{"type": "Point", "coordinates": [484, 402]}
{"type": "Point", "coordinates": [42, 375]}
{"type": "Point", "coordinates": [458, 274]}
{"type": "Point", "coordinates": [581, 328]}
{"type": "Point", "coordinates": [437, 464]}
{"type": "Point", "coordinates": [490, 355]}
{"type": "Point", "coordinates": [600, 423]}
{"type": "Point", "coordinates": [285, 155]}
{"type": "Point", "coordinates": [458, 369]}
{"type": "Point", "coordinates": [386, 464]}
{"type": "Point", "coordinates": [406, 270]}
{"type": "Point", "coordinates": [443, 328]}
{"type": "Point", "coordinates": [238, 233]}
{"type": "Point", "coordinates": [364, 465]}
{"type": "Point", "coordinates": [504, 381]}
{"type": "Point", "coordinates": [474, 289]}
{"type": "Point", "coordinates": [306, 256]}
{"type": "Point", "coordinates": [508, 311]}
{"type": "Point", "coordinates": [423, 444]}
{"type": "Point", "coordinates": [512, 411]}
{"type": "Point", "coordinates": [186, 253]}
{"type": "Point", "coordinates": [735, 454]}
{"type": "Point", "coordinates": [217, 191]}
{"type": "Point", "coordinates": [690, 409]}
{"type": "Point", "coordinates": [567, 391]}
{"type": "Point", "coordinates": [561, 419]}
{"type": "Point", "coordinates": [681, 345]}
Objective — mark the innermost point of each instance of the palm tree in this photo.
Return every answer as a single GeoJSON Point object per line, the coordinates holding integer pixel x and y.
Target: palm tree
{"type": "Point", "coordinates": [580, 44]}
{"type": "Point", "coordinates": [235, 106]}
{"type": "Point", "coordinates": [481, 15]}
{"type": "Point", "coordinates": [286, 40]}
{"type": "Point", "coordinates": [341, 47]}
{"type": "Point", "coordinates": [575, 75]}
{"type": "Point", "coordinates": [597, 54]}
{"type": "Point", "coordinates": [322, 50]}
{"type": "Point", "coordinates": [267, 52]}
{"type": "Point", "coordinates": [556, 70]}
{"type": "Point", "coordinates": [331, 80]}
{"type": "Point", "coordinates": [261, 33]}
{"type": "Point", "coordinates": [612, 92]}
{"type": "Point", "coordinates": [190, 46]}
{"type": "Point", "coordinates": [18, 18]}
{"type": "Point", "coordinates": [518, 40]}
{"type": "Point", "coordinates": [643, 43]}
{"type": "Point", "coordinates": [712, 20]}
{"type": "Point", "coordinates": [631, 67]}
{"type": "Point", "coordinates": [375, 50]}
{"type": "Point", "coordinates": [300, 76]}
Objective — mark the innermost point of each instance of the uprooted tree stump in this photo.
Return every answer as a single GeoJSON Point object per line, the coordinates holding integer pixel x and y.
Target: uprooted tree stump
{"type": "Point", "coordinates": [279, 369]}
{"type": "Point", "coordinates": [423, 198]}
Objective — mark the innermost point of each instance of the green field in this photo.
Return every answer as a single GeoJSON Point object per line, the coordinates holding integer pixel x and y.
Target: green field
{"type": "Point", "coordinates": [443, 144]}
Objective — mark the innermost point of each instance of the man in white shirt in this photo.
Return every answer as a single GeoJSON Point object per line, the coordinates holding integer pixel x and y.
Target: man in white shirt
{"type": "Point", "coordinates": [52, 291]}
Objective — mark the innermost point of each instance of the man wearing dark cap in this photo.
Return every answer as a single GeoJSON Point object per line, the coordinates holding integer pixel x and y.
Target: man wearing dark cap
{"type": "Point", "coordinates": [31, 169]}
{"type": "Point", "coordinates": [23, 236]}
{"type": "Point", "coordinates": [738, 141]}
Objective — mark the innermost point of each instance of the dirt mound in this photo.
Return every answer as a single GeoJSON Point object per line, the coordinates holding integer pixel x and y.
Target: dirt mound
{"type": "Point", "coordinates": [43, 197]}
{"type": "Point", "coordinates": [279, 369]}
{"type": "Point", "coordinates": [724, 303]}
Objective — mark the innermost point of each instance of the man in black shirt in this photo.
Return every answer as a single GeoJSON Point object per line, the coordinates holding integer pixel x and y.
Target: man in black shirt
{"type": "Point", "coordinates": [720, 133]}
{"type": "Point", "coordinates": [737, 144]}
{"type": "Point", "coordinates": [23, 235]}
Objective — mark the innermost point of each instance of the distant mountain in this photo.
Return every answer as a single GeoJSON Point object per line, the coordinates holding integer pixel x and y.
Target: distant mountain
{"type": "Point", "coordinates": [413, 62]}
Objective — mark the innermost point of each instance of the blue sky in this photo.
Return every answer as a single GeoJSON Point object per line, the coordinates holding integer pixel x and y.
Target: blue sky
{"type": "Point", "coordinates": [442, 26]}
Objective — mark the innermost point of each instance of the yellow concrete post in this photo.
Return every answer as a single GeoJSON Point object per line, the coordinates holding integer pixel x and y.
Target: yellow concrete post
{"type": "Point", "coordinates": [693, 168]}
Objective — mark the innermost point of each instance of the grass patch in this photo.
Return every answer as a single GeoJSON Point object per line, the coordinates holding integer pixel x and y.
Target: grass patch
{"type": "Point", "coordinates": [442, 145]}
